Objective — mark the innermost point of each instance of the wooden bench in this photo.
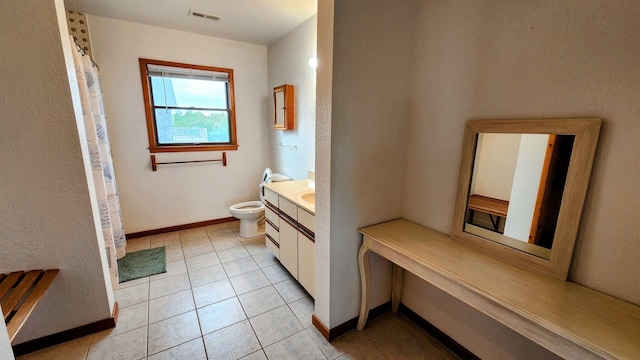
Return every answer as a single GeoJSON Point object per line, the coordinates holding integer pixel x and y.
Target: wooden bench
{"type": "Point", "coordinates": [570, 320]}
{"type": "Point", "coordinates": [491, 206]}
{"type": "Point", "coordinates": [488, 205]}
{"type": "Point", "coordinates": [20, 292]}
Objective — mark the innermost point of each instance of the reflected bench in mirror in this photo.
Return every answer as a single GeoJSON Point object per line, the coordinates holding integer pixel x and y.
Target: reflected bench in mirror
{"type": "Point", "coordinates": [496, 209]}
{"type": "Point", "coordinates": [539, 169]}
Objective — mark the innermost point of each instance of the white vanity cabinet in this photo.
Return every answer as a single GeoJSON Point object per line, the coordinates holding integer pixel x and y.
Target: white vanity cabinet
{"type": "Point", "coordinates": [272, 222]}
{"type": "Point", "coordinates": [290, 237]}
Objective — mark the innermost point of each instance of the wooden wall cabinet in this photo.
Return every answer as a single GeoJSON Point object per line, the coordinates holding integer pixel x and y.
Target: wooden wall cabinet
{"type": "Point", "coordinates": [283, 100]}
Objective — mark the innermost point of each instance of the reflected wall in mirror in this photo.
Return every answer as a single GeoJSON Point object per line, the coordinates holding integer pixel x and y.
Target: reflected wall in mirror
{"type": "Point", "coordinates": [522, 187]}
{"type": "Point", "coordinates": [283, 100]}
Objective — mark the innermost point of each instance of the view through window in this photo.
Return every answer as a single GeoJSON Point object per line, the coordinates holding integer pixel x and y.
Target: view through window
{"type": "Point", "coordinates": [188, 107]}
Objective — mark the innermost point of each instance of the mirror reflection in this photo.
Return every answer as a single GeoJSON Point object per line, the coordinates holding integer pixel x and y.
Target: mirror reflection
{"type": "Point", "coordinates": [280, 109]}
{"type": "Point", "coordinates": [516, 189]}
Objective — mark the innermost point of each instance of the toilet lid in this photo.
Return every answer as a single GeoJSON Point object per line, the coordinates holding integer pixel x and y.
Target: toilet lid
{"type": "Point", "coordinates": [266, 178]}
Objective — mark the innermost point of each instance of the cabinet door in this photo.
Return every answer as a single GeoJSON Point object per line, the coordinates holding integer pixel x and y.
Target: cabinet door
{"type": "Point", "coordinates": [289, 247]}
{"type": "Point", "coordinates": [306, 263]}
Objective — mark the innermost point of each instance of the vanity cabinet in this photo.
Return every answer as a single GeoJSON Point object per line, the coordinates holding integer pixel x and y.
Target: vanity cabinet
{"type": "Point", "coordinates": [283, 102]}
{"type": "Point", "coordinates": [272, 222]}
{"type": "Point", "coordinates": [290, 236]}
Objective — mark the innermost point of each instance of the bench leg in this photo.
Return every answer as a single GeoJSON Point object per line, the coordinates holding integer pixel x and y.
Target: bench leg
{"type": "Point", "coordinates": [396, 288]}
{"type": "Point", "coordinates": [365, 280]}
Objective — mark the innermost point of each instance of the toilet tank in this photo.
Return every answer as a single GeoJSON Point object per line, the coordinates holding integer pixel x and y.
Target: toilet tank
{"type": "Point", "coordinates": [268, 177]}
{"type": "Point", "coordinates": [277, 177]}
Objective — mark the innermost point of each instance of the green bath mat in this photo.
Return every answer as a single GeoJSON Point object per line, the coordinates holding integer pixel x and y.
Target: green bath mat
{"type": "Point", "coordinates": [142, 263]}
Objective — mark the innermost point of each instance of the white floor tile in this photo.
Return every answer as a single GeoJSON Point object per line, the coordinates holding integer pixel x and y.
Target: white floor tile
{"type": "Point", "coordinates": [174, 331]}
{"type": "Point", "coordinates": [275, 325]}
{"type": "Point", "coordinates": [248, 307]}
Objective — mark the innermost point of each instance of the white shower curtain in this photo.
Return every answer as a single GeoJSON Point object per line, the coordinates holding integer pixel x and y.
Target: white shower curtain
{"type": "Point", "coordinates": [101, 163]}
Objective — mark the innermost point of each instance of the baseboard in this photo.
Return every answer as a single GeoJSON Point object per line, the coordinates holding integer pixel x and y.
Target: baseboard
{"type": "Point", "coordinates": [324, 330]}
{"type": "Point", "coordinates": [429, 328]}
{"type": "Point", "coordinates": [437, 334]}
{"type": "Point", "coordinates": [67, 335]}
{"type": "Point", "coordinates": [178, 227]}
{"type": "Point", "coordinates": [349, 325]}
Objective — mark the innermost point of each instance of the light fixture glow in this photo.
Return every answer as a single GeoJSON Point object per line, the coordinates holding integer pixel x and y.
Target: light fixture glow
{"type": "Point", "coordinates": [313, 62]}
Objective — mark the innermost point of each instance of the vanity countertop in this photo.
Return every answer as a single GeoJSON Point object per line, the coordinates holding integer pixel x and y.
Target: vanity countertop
{"type": "Point", "coordinates": [291, 191]}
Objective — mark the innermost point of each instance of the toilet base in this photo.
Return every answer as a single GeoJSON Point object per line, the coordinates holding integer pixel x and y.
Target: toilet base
{"type": "Point", "coordinates": [251, 228]}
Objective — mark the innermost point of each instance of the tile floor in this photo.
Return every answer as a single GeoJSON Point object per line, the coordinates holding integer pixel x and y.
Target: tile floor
{"type": "Point", "coordinates": [225, 297]}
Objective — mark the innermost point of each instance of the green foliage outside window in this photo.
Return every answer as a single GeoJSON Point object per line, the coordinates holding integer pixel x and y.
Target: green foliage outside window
{"type": "Point", "coordinates": [216, 123]}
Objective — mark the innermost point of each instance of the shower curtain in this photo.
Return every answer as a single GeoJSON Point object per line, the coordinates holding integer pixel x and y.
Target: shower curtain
{"type": "Point", "coordinates": [101, 163]}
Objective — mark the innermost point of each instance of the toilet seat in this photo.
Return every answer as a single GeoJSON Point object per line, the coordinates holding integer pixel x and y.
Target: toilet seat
{"type": "Point", "coordinates": [248, 207]}
{"type": "Point", "coordinates": [251, 213]}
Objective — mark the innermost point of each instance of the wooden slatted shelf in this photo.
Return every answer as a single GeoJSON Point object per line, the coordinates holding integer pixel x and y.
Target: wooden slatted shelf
{"type": "Point", "coordinates": [20, 292]}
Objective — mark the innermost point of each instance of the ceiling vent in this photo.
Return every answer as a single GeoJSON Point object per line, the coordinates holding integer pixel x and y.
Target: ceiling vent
{"type": "Point", "coordinates": [204, 15]}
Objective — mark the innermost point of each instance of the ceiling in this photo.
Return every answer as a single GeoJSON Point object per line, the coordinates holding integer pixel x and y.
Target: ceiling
{"type": "Point", "coordinates": [253, 21]}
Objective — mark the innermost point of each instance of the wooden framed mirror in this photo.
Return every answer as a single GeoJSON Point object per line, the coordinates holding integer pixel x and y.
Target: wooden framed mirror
{"type": "Point", "coordinates": [522, 187]}
{"type": "Point", "coordinates": [283, 100]}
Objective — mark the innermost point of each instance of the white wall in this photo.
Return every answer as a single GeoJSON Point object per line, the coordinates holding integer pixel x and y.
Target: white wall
{"type": "Point", "coordinates": [506, 59]}
{"type": "Point", "coordinates": [526, 181]}
{"type": "Point", "coordinates": [48, 214]}
{"type": "Point", "coordinates": [288, 60]}
{"type": "Point", "coordinates": [6, 353]}
{"type": "Point", "coordinates": [368, 130]}
{"type": "Point", "coordinates": [178, 194]}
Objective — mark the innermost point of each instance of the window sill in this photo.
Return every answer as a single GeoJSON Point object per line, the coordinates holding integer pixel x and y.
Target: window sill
{"type": "Point", "coordinates": [162, 149]}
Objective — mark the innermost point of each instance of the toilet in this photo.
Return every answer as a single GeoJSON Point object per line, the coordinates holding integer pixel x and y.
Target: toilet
{"type": "Point", "coordinates": [251, 213]}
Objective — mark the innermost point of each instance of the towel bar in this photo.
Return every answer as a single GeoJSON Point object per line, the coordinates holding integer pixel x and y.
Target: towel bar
{"type": "Point", "coordinates": [154, 163]}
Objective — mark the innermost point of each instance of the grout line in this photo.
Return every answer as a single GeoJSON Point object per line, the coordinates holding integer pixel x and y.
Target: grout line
{"type": "Point", "coordinates": [370, 342]}
{"type": "Point", "coordinates": [146, 353]}
{"type": "Point", "coordinates": [86, 353]}
{"type": "Point", "coordinates": [227, 278]}
{"type": "Point", "coordinates": [193, 298]}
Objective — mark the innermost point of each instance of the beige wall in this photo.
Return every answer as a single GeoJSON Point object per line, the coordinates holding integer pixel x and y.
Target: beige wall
{"type": "Point", "coordinates": [324, 102]}
{"type": "Point", "coordinates": [179, 194]}
{"type": "Point", "coordinates": [48, 214]}
{"type": "Point", "coordinates": [495, 165]}
{"type": "Point", "coordinates": [292, 152]}
{"type": "Point", "coordinates": [368, 130]}
{"type": "Point", "coordinates": [527, 59]}
{"type": "Point", "coordinates": [480, 59]}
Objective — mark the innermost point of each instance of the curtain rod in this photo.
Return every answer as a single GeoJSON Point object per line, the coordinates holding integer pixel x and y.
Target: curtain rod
{"type": "Point", "coordinates": [84, 52]}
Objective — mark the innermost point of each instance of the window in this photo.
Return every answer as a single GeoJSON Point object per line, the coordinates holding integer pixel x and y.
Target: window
{"type": "Point", "coordinates": [188, 107]}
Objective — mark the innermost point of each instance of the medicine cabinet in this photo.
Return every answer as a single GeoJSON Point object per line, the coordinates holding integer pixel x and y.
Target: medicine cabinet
{"type": "Point", "coordinates": [283, 107]}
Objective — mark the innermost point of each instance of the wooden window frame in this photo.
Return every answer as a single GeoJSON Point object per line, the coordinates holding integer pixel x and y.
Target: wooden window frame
{"type": "Point", "coordinates": [154, 146]}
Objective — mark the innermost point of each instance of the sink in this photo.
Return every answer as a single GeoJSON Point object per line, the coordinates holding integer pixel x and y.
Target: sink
{"type": "Point", "coordinates": [308, 197]}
